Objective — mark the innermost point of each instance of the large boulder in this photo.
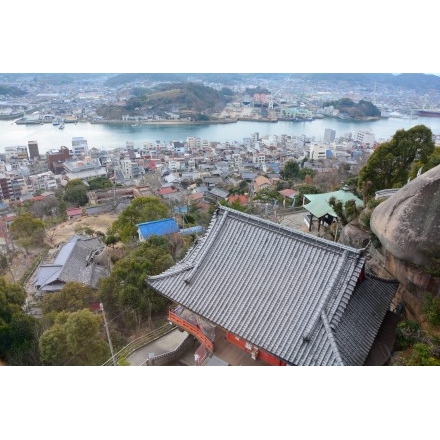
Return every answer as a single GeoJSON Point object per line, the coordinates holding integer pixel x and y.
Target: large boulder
{"type": "Point", "coordinates": [408, 223]}
{"type": "Point", "coordinates": [353, 235]}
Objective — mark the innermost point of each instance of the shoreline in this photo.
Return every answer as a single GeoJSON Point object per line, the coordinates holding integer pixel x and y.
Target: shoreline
{"type": "Point", "coordinates": [214, 122]}
{"type": "Point", "coordinates": [144, 123]}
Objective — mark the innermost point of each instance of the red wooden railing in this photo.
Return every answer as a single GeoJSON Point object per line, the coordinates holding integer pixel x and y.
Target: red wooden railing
{"type": "Point", "coordinates": [192, 329]}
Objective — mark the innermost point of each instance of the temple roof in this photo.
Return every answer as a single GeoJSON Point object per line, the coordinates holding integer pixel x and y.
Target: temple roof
{"type": "Point", "coordinates": [292, 294]}
{"type": "Point", "coordinates": [319, 206]}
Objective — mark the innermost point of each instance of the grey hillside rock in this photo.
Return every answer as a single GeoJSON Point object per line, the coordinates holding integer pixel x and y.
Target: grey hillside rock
{"type": "Point", "coordinates": [408, 223]}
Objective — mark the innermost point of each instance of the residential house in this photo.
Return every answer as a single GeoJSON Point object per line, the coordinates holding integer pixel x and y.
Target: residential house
{"type": "Point", "coordinates": [261, 182]}
{"type": "Point", "coordinates": [82, 259]}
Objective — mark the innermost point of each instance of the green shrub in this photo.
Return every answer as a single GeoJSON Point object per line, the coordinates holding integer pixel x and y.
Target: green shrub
{"type": "Point", "coordinates": [431, 309]}
{"type": "Point", "coordinates": [422, 355]}
{"type": "Point", "coordinates": [407, 334]}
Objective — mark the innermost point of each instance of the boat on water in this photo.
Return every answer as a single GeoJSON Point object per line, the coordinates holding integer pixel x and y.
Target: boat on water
{"type": "Point", "coordinates": [61, 127]}
{"type": "Point", "coordinates": [432, 113]}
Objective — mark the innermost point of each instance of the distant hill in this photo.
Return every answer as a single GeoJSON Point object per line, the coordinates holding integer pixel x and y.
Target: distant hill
{"type": "Point", "coordinates": [182, 98]}
{"type": "Point", "coordinates": [415, 81]}
{"type": "Point", "coordinates": [360, 110]}
{"type": "Point", "coordinates": [11, 91]}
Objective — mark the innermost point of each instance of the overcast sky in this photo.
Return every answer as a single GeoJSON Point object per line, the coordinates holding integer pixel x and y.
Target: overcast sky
{"type": "Point", "coordinates": [200, 36]}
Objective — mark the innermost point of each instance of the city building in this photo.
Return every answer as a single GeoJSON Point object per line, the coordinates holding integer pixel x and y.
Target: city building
{"type": "Point", "coordinates": [34, 153]}
{"type": "Point", "coordinates": [366, 138]}
{"type": "Point", "coordinates": [56, 158]}
{"type": "Point", "coordinates": [79, 146]}
{"type": "Point", "coordinates": [16, 153]}
{"type": "Point", "coordinates": [10, 189]}
{"type": "Point", "coordinates": [329, 135]}
{"type": "Point", "coordinates": [317, 151]}
{"type": "Point", "coordinates": [43, 182]}
{"type": "Point", "coordinates": [84, 169]}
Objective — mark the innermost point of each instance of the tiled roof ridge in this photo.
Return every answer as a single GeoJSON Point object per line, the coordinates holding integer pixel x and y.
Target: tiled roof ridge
{"type": "Point", "coordinates": [336, 311]}
{"type": "Point", "coordinates": [340, 269]}
{"type": "Point", "coordinates": [186, 263]}
{"type": "Point", "coordinates": [289, 231]}
{"type": "Point", "coordinates": [207, 247]}
{"type": "Point", "coordinates": [331, 338]}
{"type": "Point", "coordinates": [384, 280]}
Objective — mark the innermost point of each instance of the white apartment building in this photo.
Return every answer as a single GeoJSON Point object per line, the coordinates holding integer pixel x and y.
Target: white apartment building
{"type": "Point", "coordinates": [129, 169]}
{"type": "Point", "coordinates": [317, 151]}
{"type": "Point", "coordinates": [237, 160]}
{"type": "Point", "coordinates": [366, 138]}
{"type": "Point", "coordinates": [259, 158]}
{"type": "Point", "coordinates": [17, 152]}
{"type": "Point", "coordinates": [79, 146]}
{"type": "Point", "coordinates": [43, 182]}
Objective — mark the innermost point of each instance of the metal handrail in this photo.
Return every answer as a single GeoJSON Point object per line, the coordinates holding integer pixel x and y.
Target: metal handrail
{"type": "Point", "coordinates": [140, 342]}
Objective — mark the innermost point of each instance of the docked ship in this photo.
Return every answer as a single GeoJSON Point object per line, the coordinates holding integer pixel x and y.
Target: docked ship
{"type": "Point", "coordinates": [432, 113]}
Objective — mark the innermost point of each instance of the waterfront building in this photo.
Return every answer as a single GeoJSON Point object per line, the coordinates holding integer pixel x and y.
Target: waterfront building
{"type": "Point", "coordinates": [34, 153]}
{"type": "Point", "coordinates": [79, 146]}
{"type": "Point", "coordinates": [365, 137]}
{"type": "Point", "coordinates": [329, 135]}
{"type": "Point", "coordinates": [56, 158]}
{"type": "Point", "coordinates": [16, 153]}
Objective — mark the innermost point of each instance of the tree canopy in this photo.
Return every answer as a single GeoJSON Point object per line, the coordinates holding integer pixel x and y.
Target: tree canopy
{"type": "Point", "coordinates": [18, 330]}
{"type": "Point", "coordinates": [75, 339]}
{"type": "Point", "coordinates": [76, 192]}
{"type": "Point", "coordinates": [140, 210]}
{"type": "Point", "coordinates": [125, 294]}
{"type": "Point", "coordinates": [389, 166]}
{"type": "Point", "coordinates": [27, 230]}
{"type": "Point", "coordinates": [73, 296]}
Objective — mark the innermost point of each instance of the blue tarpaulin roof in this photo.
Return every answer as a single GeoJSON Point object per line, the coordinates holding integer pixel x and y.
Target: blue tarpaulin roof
{"type": "Point", "coordinates": [158, 227]}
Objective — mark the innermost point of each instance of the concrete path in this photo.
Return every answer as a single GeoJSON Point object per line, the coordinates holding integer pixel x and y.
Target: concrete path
{"type": "Point", "coordinates": [164, 344]}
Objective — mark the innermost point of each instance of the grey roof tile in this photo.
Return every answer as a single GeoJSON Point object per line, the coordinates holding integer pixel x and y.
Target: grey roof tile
{"type": "Point", "coordinates": [281, 289]}
{"type": "Point", "coordinates": [73, 263]}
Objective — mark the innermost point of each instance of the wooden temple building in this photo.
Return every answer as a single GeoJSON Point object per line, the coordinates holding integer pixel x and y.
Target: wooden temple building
{"type": "Point", "coordinates": [281, 296]}
{"type": "Point", "coordinates": [319, 207]}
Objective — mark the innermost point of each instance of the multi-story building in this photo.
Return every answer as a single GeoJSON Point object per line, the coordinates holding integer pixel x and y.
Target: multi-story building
{"type": "Point", "coordinates": [129, 169]}
{"type": "Point", "coordinates": [43, 182]}
{"type": "Point", "coordinates": [55, 159]}
{"type": "Point", "coordinates": [366, 138]}
{"type": "Point", "coordinates": [16, 153]}
{"type": "Point", "coordinates": [34, 152]}
{"type": "Point", "coordinates": [317, 151]}
{"type": "Point", "coordinates": [84, 169]}
{"type": "Point", "coordinates": [10, 189]}
{"type": "Point", "coordinates": [79, 147]}
{"type": "Point", "coordinates": [329, 135]}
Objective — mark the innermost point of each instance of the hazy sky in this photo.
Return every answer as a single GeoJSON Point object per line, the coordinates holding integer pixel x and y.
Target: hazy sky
{"type": "Point", "coordinates": [257, 36]}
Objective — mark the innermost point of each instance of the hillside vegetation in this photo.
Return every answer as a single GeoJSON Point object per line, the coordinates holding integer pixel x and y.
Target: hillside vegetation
{"type": "Point", "coordinates": [184, 99]}
{"type": "Point", "coordinates": [362, 109]}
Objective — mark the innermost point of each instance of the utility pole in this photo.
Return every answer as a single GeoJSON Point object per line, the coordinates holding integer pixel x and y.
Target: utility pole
{"type": "Point", "coordinates": [108, 335]}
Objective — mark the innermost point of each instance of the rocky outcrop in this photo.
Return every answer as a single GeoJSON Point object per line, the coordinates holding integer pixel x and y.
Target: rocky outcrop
{"type": "Point", "coordinates": [408, 223]}
{"type": "Point", "coordinates": [353, 235]}
{"type": "Point", "coordinates": [408, 228]}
